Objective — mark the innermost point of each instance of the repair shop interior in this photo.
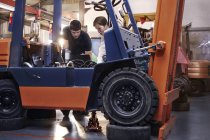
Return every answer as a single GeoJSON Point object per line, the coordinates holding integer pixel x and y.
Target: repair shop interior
{"type": "Point", "coordinates": [104, 69]}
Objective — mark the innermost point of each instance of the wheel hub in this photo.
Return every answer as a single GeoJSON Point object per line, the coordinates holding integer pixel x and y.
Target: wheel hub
{"type": "Point", "coordinates": [127, 98]}
{"type": "Point", "coordinates": [7, 101]}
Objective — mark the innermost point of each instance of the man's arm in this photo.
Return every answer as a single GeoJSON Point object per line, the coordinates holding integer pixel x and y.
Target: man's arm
{"type": "Point", "coordinates": [65, 44]}
{"type": "Point", "coordinates": [65, 38]}
{"type": "Point", "coordinates": [88, 50]}
{"type": "Point", "coordinates": [88, 53]}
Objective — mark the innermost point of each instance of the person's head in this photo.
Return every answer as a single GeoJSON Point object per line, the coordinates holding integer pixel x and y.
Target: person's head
{"type": "Point", "coordinates": [75, 28]}
{"type": "Point", "coordinates": [101, 24]}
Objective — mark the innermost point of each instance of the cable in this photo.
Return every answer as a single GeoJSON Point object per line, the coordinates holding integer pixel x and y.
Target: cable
{"type": "Point", "coordinates": [78, 63]}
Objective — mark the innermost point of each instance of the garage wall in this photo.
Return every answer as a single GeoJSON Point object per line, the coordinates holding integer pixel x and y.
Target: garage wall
{"type": "Point", "coordinates": [143, 6]}
{"type": "Point", "coordinates": [197, 12]}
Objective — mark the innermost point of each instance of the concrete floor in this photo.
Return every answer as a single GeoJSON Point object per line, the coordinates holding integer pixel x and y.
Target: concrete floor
{"type": "Point", "coordinates": [192, 125]}
{"type": "Point", "coordinates": [195, 124]}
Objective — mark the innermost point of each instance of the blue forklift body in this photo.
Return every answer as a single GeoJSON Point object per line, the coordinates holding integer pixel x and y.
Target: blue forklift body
{"type": "Point", "coordinates": [117, 56]}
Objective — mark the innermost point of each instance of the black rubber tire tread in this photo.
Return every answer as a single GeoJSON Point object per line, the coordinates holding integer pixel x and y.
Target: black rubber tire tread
{"type": "Point", "coordinates": [7, 84]}
{"type": "Point", "coordinates": [147, 80]}
{"type": "Point", "coordinates": [198, 87]}
{"type": "Point", "coordinates": [155, 126]}
{"type": "Point", "coordinates": [41, 114]}
{"type": "Point", "coordinates": [181, 106]}
{"type": "Point", "coordinates": [187, 84]}
{"type": "Point", "coordinates": [12, 124]}
{"type": "Point", "coordinates": [180, 83]}
{"type": "Point", "coordinates": [184, 85]}
{"type": "Point", "coordinates": [115, 132]}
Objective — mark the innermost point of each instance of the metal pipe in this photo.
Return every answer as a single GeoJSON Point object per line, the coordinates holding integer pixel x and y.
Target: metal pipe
{"type": "Point", "coordinates": [17, 34]}
{"type": "Point", "coordinates": [57, 15]}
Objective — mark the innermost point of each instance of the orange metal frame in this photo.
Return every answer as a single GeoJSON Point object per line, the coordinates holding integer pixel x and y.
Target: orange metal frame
{"type": "Point", "coordinates": [4, 51]}
{"type": "Point", "coordinates": [54, 97]}
{"type": "Point", "coordinates": [168, 23]}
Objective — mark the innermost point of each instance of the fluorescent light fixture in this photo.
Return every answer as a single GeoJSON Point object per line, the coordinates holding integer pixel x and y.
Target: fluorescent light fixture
{"type": "Point", "coordinates": [7, 7]}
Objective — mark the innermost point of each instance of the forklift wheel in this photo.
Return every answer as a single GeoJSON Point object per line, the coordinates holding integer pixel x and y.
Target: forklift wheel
{"type": "Point", "coordinates": [198, 87]}
{"type": "Point", "coordinates": [187, 83]}
{"type": "Point", "coordinates": [115, 132]}
{"type": "Point", "coordinates": [12, 124]}
{"type": "Point", "coordinates": [10, 103]}
{"type": "Point", "coordinates": [129, 97]}
{"type": "Point", "coordinates": [183, 83]}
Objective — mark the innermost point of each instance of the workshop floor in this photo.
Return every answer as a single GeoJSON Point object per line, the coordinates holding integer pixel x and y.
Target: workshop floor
{"type": "Point", "coordinates": [193, 125]}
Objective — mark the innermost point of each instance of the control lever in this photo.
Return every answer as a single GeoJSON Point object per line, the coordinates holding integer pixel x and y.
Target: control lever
{"type": "Point", "coordinates": [159, 46]}
{"type": "Point", "coordinates": [146, 48]}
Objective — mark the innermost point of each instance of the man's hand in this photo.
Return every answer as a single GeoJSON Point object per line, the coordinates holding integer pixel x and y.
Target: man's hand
{"type": "Point", "coordinates": [88, 53]}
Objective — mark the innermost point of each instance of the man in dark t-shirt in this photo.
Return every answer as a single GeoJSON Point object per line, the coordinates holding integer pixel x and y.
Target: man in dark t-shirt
{"type": "Point", "coordinates": [79, 42]}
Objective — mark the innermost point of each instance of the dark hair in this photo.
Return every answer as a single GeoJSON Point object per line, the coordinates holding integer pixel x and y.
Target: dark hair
{"type": "Point", "coordinates": [75, 25]}
{"type": "Point", "coordinates": [100, 20]}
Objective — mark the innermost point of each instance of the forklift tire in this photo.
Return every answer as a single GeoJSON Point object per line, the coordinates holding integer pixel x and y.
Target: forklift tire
{"type": "Point", "coordinates": [41, 114]}
{"type": "Point", "coordinates": [12, 124]}
{"type": "Point", "coordinates": [10, 102]}
{"type": "Point", "coordinates": [183, 84]}
{"type": "Point", "coordinates": [178, 106]}
{"type": "Point", "coordinates": [129, 97]}
{"type": "Point", "coordinates": [155, 127]}
{"type": "Point", "coordinates": [187, 83]}
{"type": "Point", "coordinates": [198, 87]}
{"type": "Point", "coordinates": [115, 132]}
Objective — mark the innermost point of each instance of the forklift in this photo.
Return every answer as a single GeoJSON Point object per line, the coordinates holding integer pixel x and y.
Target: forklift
{"type": "Point", "coordinates": [128, 95]}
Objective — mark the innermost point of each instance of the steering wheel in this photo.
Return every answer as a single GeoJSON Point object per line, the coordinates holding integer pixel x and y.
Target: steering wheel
{"type": "Point", "coordinates": [101, 5]}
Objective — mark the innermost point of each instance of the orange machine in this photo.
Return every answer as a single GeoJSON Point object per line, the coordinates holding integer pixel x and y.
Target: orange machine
{"type": "Point", "coordinates": [168, 23]}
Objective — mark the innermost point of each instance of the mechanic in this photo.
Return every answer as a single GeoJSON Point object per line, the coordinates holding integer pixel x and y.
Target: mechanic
{"type": "Point", "coordinates": [77, 41]}
{"type": "Point", "coordinates": [101, 24]}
